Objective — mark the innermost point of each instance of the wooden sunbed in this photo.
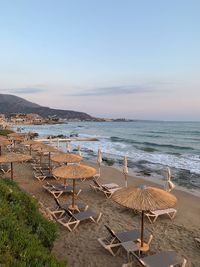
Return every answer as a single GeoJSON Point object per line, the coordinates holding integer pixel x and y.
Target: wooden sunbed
{"type": "Point", "coordinates": [197, 241]}
{"type": "Point", "coordinates": [72, 220]}
{"type": "Point", "coordinates": [65, 206]}
{"type": "Point", "coordinates": [107, 189]}
{"type": "Point", "coordinates": [58, 189]}
{"type": "Point", "coordinates": [5, 168]}
{"type": "Point", "coordinates": [153, 215]}
{"type": "Point", "coordinates": [160, 259]}
{"type": "Point", "coordinates": [113, 242]}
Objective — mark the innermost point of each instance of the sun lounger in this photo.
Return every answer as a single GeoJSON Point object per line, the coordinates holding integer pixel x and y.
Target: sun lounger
{"type": "Point", "coordinates": [81, 206]}
{"type": "Point", "coordinates": [107, 189]}
{"type": "Point", "coordinates": [160, 259]}
{"type": "Point", "coordinates": [109, 192]}
{"type": "Point", "coordinates": [9, 148]}
{"type": "Point", "coordinates": [112, 243]}
{"type": "Point", "coordinates": [197, 241]}
{"type": "Point", "coordinates": [153, 215]}
{"type": "Point", "coordinates": [52, 213]}
{"type": "Point", "coordinates": [58, 189]}
{"type": "Point", "coordinates": [134, 246]}
{"type": "Point", "coordinates": [39, 176]}
{"type": "Point", "coordinates": [38, 164]}
{"type": "Point", "coordinates": [72, 220]}
{"type": "Point", "coordinates": [4, 168]}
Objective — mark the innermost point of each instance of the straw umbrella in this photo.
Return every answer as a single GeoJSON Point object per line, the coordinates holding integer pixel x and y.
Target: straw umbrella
{"type": "Point", "coordinates": [46, 148]}
{"type": "Point", "coordinates": [125, 170]}
{"type": "Point", "coordinates": [11, 135]}
{"type": "Point", "coordinates": [68, 147]}
{"type": "Point", "coordinates": [169, 184]}
{"type": "Point", "coordinates": [99, 159]}
{"type": "Point", "coordinates": [144, 198]}
{"type": "Point", "coordinates": [79, 150]}
{"type": "Point", "coordinates": [16, 137]}
{"type": "Point", "coordinates": [66, 158]}
{"type": "Point", "coordinates": [13, 157]}
{"type": "Point", "coordinates": [3, 142]}
{"type": "Point", "coordinates": [30, 143]}
{"type": "Point", "coordinates": [38, 147]}
{"type": "Point", "coordinates": [74, 172]}
{"type": "Point", "coordinates": [58, 144]}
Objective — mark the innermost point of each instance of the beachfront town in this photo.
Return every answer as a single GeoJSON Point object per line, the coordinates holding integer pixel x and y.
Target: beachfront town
{"type": "Point", "coordinates": [7, 122]}
{"type": "Point", "coordinates": [35, 119]}
{"type": "Point", "coordinates": [29, 119]}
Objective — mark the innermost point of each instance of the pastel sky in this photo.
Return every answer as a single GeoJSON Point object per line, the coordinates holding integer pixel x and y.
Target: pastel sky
{"type": "Point", "coordinates": [110, 58]}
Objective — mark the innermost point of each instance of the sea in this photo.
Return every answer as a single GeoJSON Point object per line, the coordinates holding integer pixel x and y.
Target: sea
{"type": "Point", "coordinates": [150, 146]}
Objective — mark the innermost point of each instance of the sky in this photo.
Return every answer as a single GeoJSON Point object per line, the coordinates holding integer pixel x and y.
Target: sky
{"type": "Point", "coordinates": [109, 58]}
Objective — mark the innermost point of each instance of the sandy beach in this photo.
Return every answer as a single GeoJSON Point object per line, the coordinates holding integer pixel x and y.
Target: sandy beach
{"type": "Point", "coordinates": [81, 247]}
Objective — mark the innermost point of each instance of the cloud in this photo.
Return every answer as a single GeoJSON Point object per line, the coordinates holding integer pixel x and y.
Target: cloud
{"type": "Point", "coordinates": [116, 90]}
{"type": "Point", "coordinates": [26, 90]}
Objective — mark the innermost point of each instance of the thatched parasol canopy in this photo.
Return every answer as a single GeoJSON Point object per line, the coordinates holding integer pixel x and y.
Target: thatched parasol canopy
{"type": "Point", "coordinates": [3, 137]}
{"type": "Point", "coordinates": [30, 143]}
{"type": "Point", "coordinates": [74, 172]}
{"type": "Point", "coordinates": [39, 146]}
{"type": "Point", "coordinates": [42, 148]}
{"type": "Point", "coordinates": [16, 137]}
{"type": "Point", "coordinates": [13, 157]}
{"type": "Point", "coordinates": [4, 142]}
{"type": "Point", "coordinates": [17, 134]}
{"type": "Point", "coordinates": [45, 148]}
{"type": "Point", "coordinates": [144, 198]}
{"type": "Point", "coordinates": [66, 158]}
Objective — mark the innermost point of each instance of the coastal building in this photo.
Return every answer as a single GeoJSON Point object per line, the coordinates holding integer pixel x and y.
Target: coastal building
{"type": "Point", "coordinates": [31, 118]}
{"type": "Point", "coordinates": [3, 122]}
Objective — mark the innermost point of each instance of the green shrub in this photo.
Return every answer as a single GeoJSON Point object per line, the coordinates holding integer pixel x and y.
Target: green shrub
{"type": "Point", "coordinates": [26, 237]}
{"type": "Point", "coordinates": [5, 132]}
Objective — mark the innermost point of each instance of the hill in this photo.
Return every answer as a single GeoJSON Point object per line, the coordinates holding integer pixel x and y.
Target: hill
{"type": "Point", "coordinates": [13, 104]}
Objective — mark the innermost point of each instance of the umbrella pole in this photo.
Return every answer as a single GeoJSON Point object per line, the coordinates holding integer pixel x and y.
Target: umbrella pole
{"type": "Point", "coordinates": [49, 162]}
{"type": "Point", "coordinates": [73, 198]}
{"type": "Point", "coordinates": [11, 165]}
{"type": "Point", "coordinates": [125, 180]}
{"type": "Point", "coordinates": [142, 229]}
{"type": "Point", "coordinates": [40, 158]}
{"type": "Point", "coordinates": [99, 169]}
{"type": "Point", "coordinates": [30, 149]}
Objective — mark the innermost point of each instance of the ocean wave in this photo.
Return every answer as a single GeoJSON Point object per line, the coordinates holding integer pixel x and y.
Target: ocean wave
{"type": "Point", "coordinates": [141, 149]}
{"type": "Point", "coordinates": [149, 144]}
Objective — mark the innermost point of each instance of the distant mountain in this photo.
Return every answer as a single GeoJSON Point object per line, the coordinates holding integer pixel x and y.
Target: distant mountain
{"type": "Point", "coordinates": [13, 104]}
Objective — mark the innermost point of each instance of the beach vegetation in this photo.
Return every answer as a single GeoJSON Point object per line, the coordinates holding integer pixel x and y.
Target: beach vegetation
{"type": "Point", "coordinates": [5, 132]}
{"type": "Point", "coordinates": [26, 237]}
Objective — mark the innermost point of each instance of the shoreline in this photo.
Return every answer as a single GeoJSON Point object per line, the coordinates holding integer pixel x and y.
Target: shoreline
{"type": "Point", "coordinates": [154, 177]}
{"type": "Point", "coordinates": [151, 179]}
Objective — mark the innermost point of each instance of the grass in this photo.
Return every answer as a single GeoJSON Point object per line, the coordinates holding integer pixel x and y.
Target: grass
{"type": "Point", "coordinates": [26, 237]}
